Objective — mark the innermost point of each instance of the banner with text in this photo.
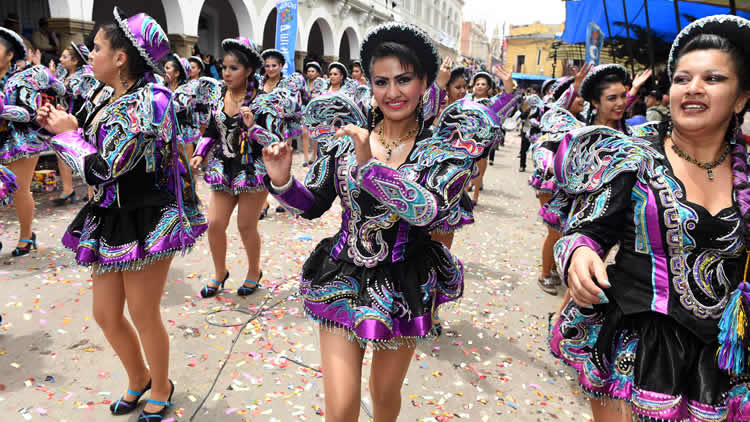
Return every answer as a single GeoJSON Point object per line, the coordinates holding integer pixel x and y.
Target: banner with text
{"type": "Point", "coordinates": [286, 31]}
{"type": "Point", "coordinates": [594, 42]}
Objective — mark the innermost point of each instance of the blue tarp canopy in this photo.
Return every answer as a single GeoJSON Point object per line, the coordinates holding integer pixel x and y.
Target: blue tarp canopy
{"type": "Point", "coordinates": [661, 13]}
{"type": "Point", "coordinates": [529, 77]}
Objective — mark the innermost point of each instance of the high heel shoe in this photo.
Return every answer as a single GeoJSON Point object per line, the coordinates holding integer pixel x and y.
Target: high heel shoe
{"type": "Point", "coordinates": [248, 290]}
{"type": "Point", "coordinates": [123, 407]}
{"type": "Point", "coordinates": [263, 213]}
{"type": "Point", "coordinates": [157, 416]}
{"type": "Point", "coordinates": [63, 199]}
{"type": "Point", "coordinates": [208, 291]}
{"type": "Point", "coordinates": [30, 244]}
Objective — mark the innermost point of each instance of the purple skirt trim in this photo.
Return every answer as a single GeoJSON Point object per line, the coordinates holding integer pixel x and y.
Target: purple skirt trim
{"type": "Point", "coordinates": [617, 382]}
{"type": "Point", "coordinates": [547, 186]}
{"type": "Point", "coordinates": [371, 329]}
{"type": "Point", "coordinates": [550, 218]}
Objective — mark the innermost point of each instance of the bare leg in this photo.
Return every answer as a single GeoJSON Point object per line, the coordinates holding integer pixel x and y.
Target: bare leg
{"type": "Point", "coordinates": [66, 174]}
{"type": "Point", "coordinates": [220, 207]}
{"type": "Point", "coordinates": [143, 290]}
{"type": "Point", "coordinates": [189, 149]}
{"type": "Point", "coordinates": [479, 181]}
{"type": "Point", "coordinates": [386, 378]}
{"type": "Point", "coordinates": [444, 238]}
{"type": "Point", "coordinates": [305, 144]}
{"type": "Point", "coordinates": [109, 302]}
{"type": "Point", "coordinates": [606, 410]}
{"type": "Point", "coordinates": [248, 210]}
{"type": "Point", "coordinates": [23, 168]}
{"type": "Point", "coordinates": [548, 255]}
{"type": "Point", "coordinates": [341, 361]}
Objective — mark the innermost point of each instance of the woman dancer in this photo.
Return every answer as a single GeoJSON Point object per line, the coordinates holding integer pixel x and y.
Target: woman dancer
{"type": "Point", "coordinates": [313, 86]}
{"type": "Point", "coordinates": [338, 76]}
{"type": "Point", "coordinates": [21, 140]}
{"type": "Point", "coordinates": [658, 335]}
{"type": "Point", "coordinates": [481, 84]}
{"type": "Point", "coordinates": [236, 171]}
{"type": "Point", "coordinates": [140, 216]}
{"type": "Point", "coordinates": [7, 186]}
{"type": "Point", "coordinates": [73, 60]}
{"type": "Point", "coordinates": [357, 74]}
{"type": "Point", "coordinates": [383, 242]}
{"type": "Point", "coordinates": [177, 71]}
{"type": "Point", "coordinates": [197, 67]}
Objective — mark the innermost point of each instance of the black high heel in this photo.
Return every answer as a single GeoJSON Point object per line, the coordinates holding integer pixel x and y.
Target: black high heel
{"type": "Point", "coordinates": [208, 291]}
{"type": "Point", "coordinates": [263, 213]}
{"type": "Point", "coordinates": [248, 290]}
{"type": "Point", "coordinates": [64, 199]}
{"type": "Point", "coordinates": [30, 244]}
{"type": "Point", "coordinates": [157, 416]}
{"type": "Point", "coordinates": [123, 407]}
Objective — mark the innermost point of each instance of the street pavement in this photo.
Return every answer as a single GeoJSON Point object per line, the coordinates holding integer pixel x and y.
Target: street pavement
{"type": "Point", "coordinates": [491, 364]}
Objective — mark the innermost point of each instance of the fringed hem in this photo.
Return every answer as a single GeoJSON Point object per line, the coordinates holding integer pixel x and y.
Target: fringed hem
{"type": "Point", "coordinates": [16, 157]}
{"type": "Point", "coordinates": [134, 264]}
{"type": "Point", "coordinates": [237, 191]}
{"type": "Point", "coordinates": [388, 344]}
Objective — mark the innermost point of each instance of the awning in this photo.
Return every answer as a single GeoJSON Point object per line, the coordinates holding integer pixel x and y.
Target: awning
{"type": "Point", "coordinates": [662, 19]}
{"type": "Point", "coordinates": [529, 77]}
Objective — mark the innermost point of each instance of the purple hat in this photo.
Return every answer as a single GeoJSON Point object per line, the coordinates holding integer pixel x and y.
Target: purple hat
{"type": "Point", "coordinates": [249, 48]}
{"type": "Point", "coordinates": [82, 51]}
{"type": "Point", "coordinates": [146, 36]}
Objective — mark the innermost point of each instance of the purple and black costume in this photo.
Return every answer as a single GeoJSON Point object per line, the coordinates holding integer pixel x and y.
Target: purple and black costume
{"type": "Point", "coordinates": [655, 344]}
{"type": "Point", "coordinates": [127, 150]}
{"type": "Point", "coordinates": [237, 162]}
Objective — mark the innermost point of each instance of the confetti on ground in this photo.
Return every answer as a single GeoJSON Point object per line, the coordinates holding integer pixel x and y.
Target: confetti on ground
{"type": "Point", "coordinates": [491, 363]}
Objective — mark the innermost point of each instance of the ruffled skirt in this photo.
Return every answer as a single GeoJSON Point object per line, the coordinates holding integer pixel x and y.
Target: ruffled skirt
{"type": "Point", "coordinates": [116, 239]}
{"type": "Point", "coordinates": [19, 140]}
{"type": "Point", "coordinates": [232, 176]}
{"type": "Point", "coordinates": [656, 365]}
{"type": "Point", "coordinates": [461, 215]}
{"type": "Point", "coordinates": [388, 305]}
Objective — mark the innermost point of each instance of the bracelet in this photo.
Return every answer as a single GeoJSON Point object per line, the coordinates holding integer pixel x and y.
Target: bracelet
{"type": "Point", "coordinates": [282, 189]}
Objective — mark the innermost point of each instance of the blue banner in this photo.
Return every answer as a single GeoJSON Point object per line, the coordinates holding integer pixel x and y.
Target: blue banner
{"type": "Point", "coordinates": [594, 42]}
{"type": "Point", "coordinates": [286, 31]}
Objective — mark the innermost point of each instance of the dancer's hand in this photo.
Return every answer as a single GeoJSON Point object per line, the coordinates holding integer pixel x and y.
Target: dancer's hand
{"type": "Point", "coordinates": [278, 160]}
{"type": "Point", "coordinates": [507, 77]}
{"type": "Point", "coordinates": [580, 75]}
{"type": "Point", "coordinates": [247, 116]}
{"type": "Point", "coordinates": [55, 120]}
{"type": "Point", "coordinates": [444, 76]}
{"type": "Point", "coordinates": [639, 80]}
{"type": "Point", "coordinates": [360, 138]}
{"type": "Point", "coordinates": [584, 264]}
{"type": "Point", "coordinates": [196, 162]}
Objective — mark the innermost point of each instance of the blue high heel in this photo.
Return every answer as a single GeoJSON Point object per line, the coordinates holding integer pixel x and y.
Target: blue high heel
{"type": "Point", "coordinates": [123, 407]}
{"type": "Point", "coordinates": [157, 416]}
{"type": "Point", "coordinates": [30, 244]}
{"type": "Point", "coordinates": [248, 290]}
{"type": "Point", "coordinates": [209, 291]}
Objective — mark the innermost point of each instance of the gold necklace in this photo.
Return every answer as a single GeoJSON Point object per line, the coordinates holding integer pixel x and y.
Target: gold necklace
{"type": "Point", "coordinates": [390, 145]}
{"type": "Point", "coordinates": [231, 98]}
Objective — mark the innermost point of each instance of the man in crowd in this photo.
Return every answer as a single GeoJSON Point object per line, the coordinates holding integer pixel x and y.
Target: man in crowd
{"type": "Point", "coordinates": [655, 111]}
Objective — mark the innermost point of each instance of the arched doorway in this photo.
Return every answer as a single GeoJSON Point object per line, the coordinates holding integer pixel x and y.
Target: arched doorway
{"type": "Point", "coordinates": [348, 46]}
{"type": "Point", "coordinates": [320, 40]}
{"type": "Point", "coordinates": [269, 30]}
{"type": "Point", "coordinates": [217, 21]}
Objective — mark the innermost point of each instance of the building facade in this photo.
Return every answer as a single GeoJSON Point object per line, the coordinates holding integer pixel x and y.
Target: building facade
{"type": "Point", "coordinates": [528, 48]}
{"type": "Point", "coordinates": [474, 42]}
{"type": "Point", "coordinates": [327, 29]}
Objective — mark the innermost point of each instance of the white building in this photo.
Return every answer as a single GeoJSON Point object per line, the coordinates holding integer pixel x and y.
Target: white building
{"type": "Point", "coordinates": [330, 30]}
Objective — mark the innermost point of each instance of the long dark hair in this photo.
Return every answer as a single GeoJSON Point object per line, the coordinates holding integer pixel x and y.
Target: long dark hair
{"type": "Point", "coordinates": [177, 65]}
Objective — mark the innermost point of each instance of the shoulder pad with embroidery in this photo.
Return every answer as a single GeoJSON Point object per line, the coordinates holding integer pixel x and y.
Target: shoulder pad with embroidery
{"type": "Point", "coordinates": [463, 130]}
{"type": "Point", "coordinates": [593, 156]}
{"type": "Point", "coordinates": [325, 114]}
{"type": "Point", "coordinates": [37, 78]}
{"type": "Point", "coordinates": [320, 86]}
{"type": "Point", "coordinates": [645, 130]}
{"type": "Point", "coordinates": [294, 83]}
{"type": "Point", "coordinates": [184, 96]}
{"type": "Point", "coordinates": [207, 91]}
{"type": "Point", "coordinates": [558, 121]}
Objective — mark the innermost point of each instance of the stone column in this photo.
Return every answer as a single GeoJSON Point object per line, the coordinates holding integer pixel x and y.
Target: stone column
{"type": "Point", "coordinates": [182, 44]}
{"type": "Point", "coordinates": [71, 30]}
{"type": "Point", "coordinates": [299, 58]}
